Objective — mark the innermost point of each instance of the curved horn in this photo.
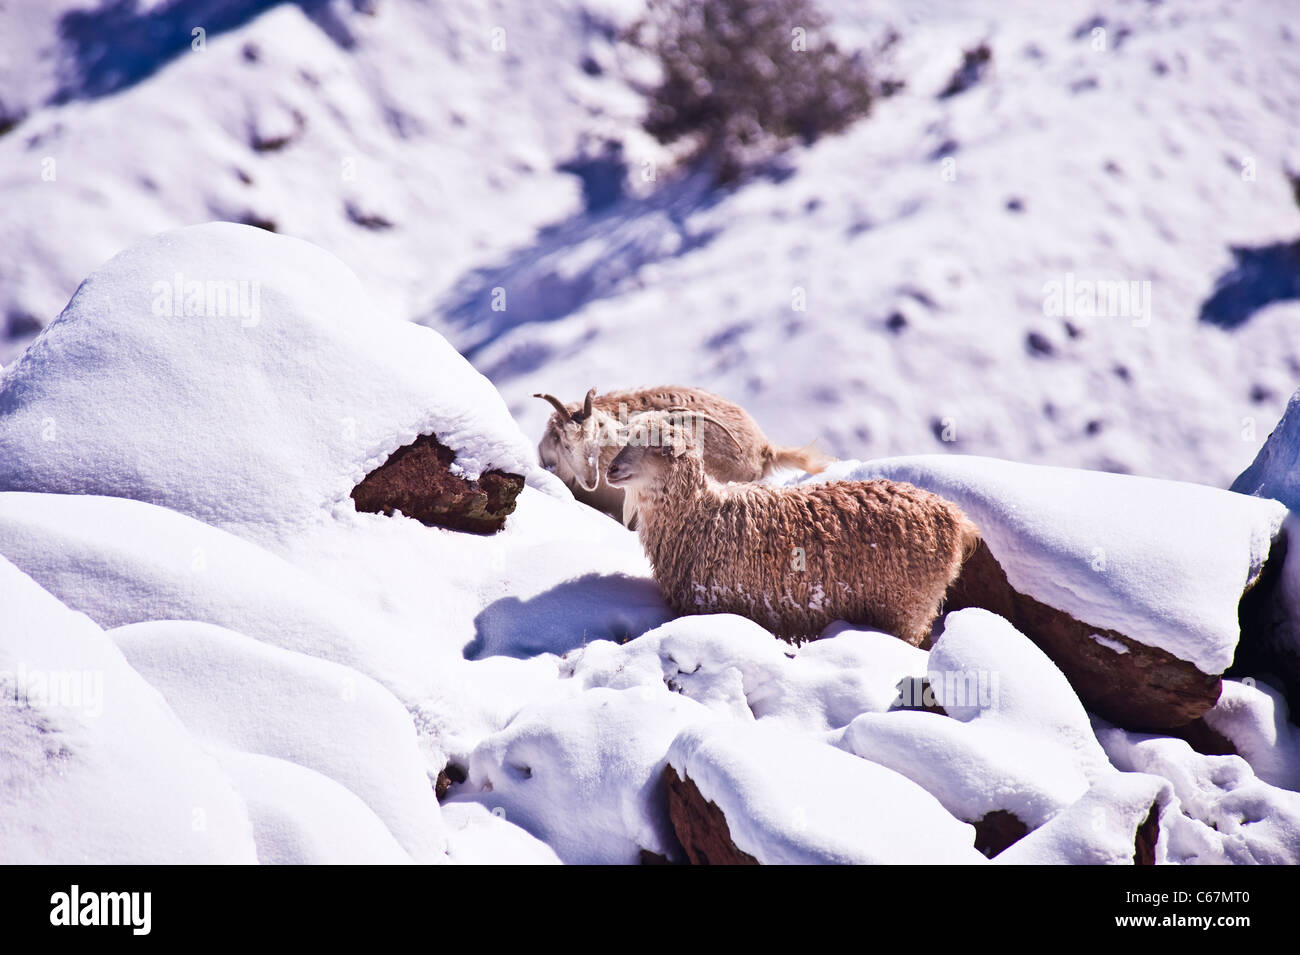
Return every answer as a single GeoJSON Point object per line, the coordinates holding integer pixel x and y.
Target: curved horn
{"type": "Point", "coordinates": [585, 413]}
{"type": "Point", "coordinates": [687, 412]}
{"type": "Point", "coordinates": [559, 405]}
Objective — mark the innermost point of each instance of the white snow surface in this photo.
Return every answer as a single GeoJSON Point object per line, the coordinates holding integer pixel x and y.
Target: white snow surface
{"type": "Point", "coordinates": [793, 800]}
{"type": "Point", "coordinates": [94, 766]}
{"type": "Point", "coordinates": [1162, 562]}
{"type": "Point", "coordinates": [232, 690]}
{"type": "Point", "coordinates": [1099, 828]}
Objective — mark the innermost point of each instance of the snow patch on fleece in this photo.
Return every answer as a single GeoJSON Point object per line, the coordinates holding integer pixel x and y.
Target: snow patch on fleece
{"type": "Point", "coordinates": [94, 766]}
{"type": "Point", "coordinates": [240, 377]}
{"type": "Point", "coordinates": [1162, 562]}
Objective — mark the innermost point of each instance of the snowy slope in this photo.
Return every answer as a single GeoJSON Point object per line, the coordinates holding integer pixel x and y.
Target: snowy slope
{"type": "Point", "coordinates": [406, 140]}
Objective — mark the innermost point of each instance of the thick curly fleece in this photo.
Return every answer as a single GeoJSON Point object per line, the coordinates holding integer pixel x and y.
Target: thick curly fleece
{"type": "Point", "coordinates": [796, 559]}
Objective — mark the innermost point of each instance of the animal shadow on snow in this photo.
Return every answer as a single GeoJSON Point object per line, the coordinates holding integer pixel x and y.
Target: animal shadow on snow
{"type": "Point", "coordinates": [613, 607]}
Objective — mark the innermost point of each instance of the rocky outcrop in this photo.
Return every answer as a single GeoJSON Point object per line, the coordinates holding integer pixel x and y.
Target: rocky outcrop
{"type": "Point", "coordinates": [998, 830]}
{"type": "Point", "coordinates": [417, 481]}
{"type": "Point", "coordinates": [700, 825]}
{"type": "Point", "coordinates": [1141, 688]}
{"type": "Point", "coordinates": [1146, 837]}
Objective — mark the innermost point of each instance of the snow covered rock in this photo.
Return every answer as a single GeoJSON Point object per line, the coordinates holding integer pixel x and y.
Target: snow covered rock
{"type": "Point", "coordinates": [1131, 585]}
{"type": "Point", "coordinates": [1225, 814]}
{"type": "Point", "coordinates": [1254, 718]}
{"type": "Point", "coordinates": [94, 766]}
{"type": "Point", "coordinates": [417, 480]}
{"type": "Point", "coordinates": [1271, 640]}
{"type": "Point", "coordinates": [1275, 472]}
{"type": "Point", "coordinates": [584, 774]}
{"type": "Point", "coordinates": [1015, 744]}
{"type": "Point", "coordinates": [301, 817]}
{"type": "Point", "coordinates": [733, 666]}
{"type": "Point", "coordinates": [1117, 822]}
{"type": "Point", "coordinates": [787, 798]}
{"type": "Point", "coordinates": [235, 692]}
{"type": "Point", "coordinates": [242, 378]}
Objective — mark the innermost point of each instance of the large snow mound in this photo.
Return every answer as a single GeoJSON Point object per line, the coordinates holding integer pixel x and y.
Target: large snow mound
{"type": "Point", "coordinates": [236, 692]}
{"type": "Point", "coordinates": [1162, 562]}
{"type": "Point", "coordinates": [239, 377]}
{"type": "Point", "coordinates": [94, 766]}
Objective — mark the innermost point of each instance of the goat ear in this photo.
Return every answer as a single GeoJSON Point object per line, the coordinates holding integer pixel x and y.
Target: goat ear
{"type": "Point", "coordinates": [676, 447]}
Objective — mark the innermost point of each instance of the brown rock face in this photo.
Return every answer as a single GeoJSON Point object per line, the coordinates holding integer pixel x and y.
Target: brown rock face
{"type": "Point", "coordinates": [1145, 689]}
{"type": "Point", "coordinates": [1144, 841]}
{"type": "Point", "coordinates": [700, 825]}
{"type": "Point", "coordinates": [417, 480]}
{"type": "Point", "coordinates": [998, 830]}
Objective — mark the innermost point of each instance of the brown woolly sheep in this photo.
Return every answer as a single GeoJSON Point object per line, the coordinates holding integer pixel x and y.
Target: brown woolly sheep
{"type": "Point", "coordinates": [582, 438]}
{"type": "Point", "coordinates": [793, 559]}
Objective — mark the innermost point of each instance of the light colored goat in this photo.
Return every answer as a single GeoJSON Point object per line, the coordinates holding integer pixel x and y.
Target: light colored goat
{"type": "Point", "coordinates": [793, 559]}
{"type": "Point", "coordinates": [582, 438]}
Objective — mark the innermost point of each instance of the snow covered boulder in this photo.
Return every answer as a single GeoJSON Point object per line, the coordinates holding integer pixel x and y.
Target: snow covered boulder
{"type": "Point", "coordinates": [1117, 822]}
{"type": "Point", "coordinates": [236, 693]}
{"type": "Point", "coordinates": [760, 791]}
{"type": "Point", "coordinates": [417, 480]}
{"type": "Point", "coordinates": [1133, 586]}
{"type": "Point", "coordinates": [94, 766]}
{"type": "Point", "coordinates": [242, 378]}
{"type": "Point", "coordinates": [1271, 628]}
{"type": "Point", "coordinates": [1015, 748]}
{"type": "Point", "coordinates": [584, 774]}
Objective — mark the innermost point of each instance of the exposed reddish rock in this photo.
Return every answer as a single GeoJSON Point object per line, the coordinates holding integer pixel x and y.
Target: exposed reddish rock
{"type": "Point", "coordinates": [700, 825]}
{"type": "Point", "coordinates": [1205, 739]}
{"type": "Point", "coordinates": [447, 777]}
{"type": "Point", "coordinates": [914, 693]}
{"type": "Point", "coordinates": [1144, 840]}
{"type": "Point", "coordinates": [998, 830]}
{"type": "Point", "coordinates": [417, 480]}
{"type": "Point", "coordinates": [1145, 689]}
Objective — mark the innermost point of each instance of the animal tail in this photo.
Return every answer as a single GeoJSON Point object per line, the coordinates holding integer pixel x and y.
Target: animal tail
{"type": "Point", "coordinates": [970, 537]}
{"type": "Point", "coordinates": [809, 458]}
